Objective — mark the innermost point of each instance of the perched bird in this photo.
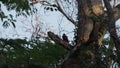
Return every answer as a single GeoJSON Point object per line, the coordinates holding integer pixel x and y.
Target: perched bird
{"type": "Point", "coordinates": [65, 38]}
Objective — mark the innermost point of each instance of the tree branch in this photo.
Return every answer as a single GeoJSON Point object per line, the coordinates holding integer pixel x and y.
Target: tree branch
{"type": "Point", "coordinates": [58, 40]}
{"type": "Point", "coordinates": [116, 11]}
{"type": "Point", "coordinates": [61, 10]}
{"type": "Point", "coordinates": [112, 28]}
{"type": "Point", "coordinates": [114, 4]}
{"type": "Point", "coordinates": [57, 6]}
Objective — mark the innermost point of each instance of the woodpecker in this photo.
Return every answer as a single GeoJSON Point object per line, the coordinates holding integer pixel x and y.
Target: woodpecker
{"type": "Point", "coordinates": [65, 38]}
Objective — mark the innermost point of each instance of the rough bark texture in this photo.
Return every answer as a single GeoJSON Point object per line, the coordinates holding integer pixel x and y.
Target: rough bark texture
{"type": "Point", "coordinates": [91, 28]}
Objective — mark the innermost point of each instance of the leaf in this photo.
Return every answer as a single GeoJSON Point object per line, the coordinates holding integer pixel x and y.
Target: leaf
{"type": "Point", "coordinates": [51, 9]}
{"type": "Point", "coordinates": [13, 24]}
{"type": "Point", "coordinates": [2, 15]}
{"type": "Point", "coordinates": [11, 16]}
{"type": "Point", "coordinates": [6, 24]}
{"type": "Point", "coordinates": [55, 9]}
{"type": "Point", "coordinates": [47, 8]}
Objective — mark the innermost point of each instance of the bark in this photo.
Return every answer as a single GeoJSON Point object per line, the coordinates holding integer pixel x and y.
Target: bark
{"type": "Point", "coordinates": [116, 12]}
{"type": "Point", "coordinates": [84, 29]}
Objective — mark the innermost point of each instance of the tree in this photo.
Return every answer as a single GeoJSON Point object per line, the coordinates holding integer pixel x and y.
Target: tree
{"type": "Point", "coordinates": [92, 23]}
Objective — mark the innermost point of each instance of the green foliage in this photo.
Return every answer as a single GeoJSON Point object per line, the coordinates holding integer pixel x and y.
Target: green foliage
{"type": "Point", "coordinates": [21, 7]}
{"type": "Point", "coordinates": [18, 5]}
{"type": "Point", "coordinates": [48, 53]}
{"type": "Point", "coordinates": [21, 52]}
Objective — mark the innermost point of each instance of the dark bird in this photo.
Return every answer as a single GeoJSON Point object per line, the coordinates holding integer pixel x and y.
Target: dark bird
{"type": "Point", "coordinates": [65, 38]}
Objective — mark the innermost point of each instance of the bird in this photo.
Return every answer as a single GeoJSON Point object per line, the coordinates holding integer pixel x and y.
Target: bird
{"type": "Point", "coordinates": [65, 38]}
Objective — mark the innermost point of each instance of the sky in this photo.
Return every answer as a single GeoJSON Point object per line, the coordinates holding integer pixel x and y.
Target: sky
{"type": "Point", "coordinates": [47, 20]}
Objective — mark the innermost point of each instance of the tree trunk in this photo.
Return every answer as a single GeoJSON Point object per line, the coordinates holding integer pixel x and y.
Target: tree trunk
{"type": "Point", "coordinates": [83, 53]}
{"type": "Point", "coordinates": [91, 28]}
